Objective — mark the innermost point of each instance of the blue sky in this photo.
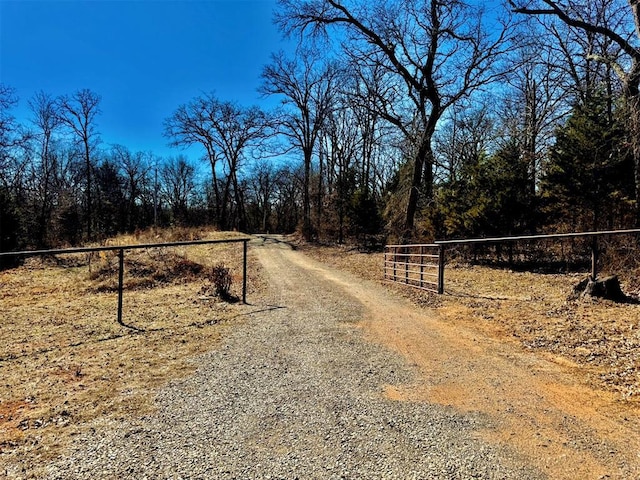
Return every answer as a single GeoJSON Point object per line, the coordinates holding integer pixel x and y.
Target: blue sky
{"type": "Point", "coordinates": [144, 57]}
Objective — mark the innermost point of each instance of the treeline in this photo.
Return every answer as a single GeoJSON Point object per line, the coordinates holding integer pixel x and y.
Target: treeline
{"type": "Point", "coordinates": [511, 119]}
{"type": "Point", "coordinates": [60, 185]}
{"type": "Point", "coordinates": [419, 120]}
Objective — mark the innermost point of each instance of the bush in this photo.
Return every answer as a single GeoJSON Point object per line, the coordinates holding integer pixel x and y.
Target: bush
{"type": "Point", "coordinates": [221, 280]}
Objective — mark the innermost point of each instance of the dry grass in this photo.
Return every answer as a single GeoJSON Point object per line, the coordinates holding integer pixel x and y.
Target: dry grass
{"type": "Point", "coordinates": [66, 361]}
{"type": "Point", "coordinates": [601, 337]}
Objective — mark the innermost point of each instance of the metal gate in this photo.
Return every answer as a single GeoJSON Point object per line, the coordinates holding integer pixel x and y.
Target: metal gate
{"type": "Point", "coordinates": [419, 266]}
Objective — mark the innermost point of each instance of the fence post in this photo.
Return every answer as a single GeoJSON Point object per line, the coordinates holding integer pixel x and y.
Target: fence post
{"type": "Point", "coordinates": [421, 266]}
{"type": "Point", "coordinates": [120, 284]}
{"type": "Point", "coordinates": [441, 269]}
{"type": "Point", "coordinates": [384, 264]}
{"type": "Point", "coordinates": [244, 271]}
{"type": "Point", "coordinates": [594, 258]}
{"type": "Point", "coordinates": [406, 264]}
{"type": "Point", "coordinates": [395, 263]}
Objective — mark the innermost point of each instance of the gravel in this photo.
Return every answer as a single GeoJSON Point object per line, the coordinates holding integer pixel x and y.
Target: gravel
{"type": "Point", "coordinates": [293, 392]}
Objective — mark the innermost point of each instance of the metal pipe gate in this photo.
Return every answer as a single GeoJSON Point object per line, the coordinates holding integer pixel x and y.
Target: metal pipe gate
{"type": "Point", "coordinates": [420, 266]}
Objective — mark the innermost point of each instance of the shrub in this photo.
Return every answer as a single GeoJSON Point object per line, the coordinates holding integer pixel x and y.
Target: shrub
{"type": "Point", "coordinates": [221, 280]}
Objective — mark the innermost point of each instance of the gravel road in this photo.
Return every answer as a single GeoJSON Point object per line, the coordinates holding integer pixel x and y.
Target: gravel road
{"type": "Point", "coordinates": [296, 391]}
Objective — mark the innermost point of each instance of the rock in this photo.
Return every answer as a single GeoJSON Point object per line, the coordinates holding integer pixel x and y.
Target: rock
{"type": "Point", "coordinates": [607, 288]}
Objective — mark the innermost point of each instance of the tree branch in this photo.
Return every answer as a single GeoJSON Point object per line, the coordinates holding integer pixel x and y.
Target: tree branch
{"type": "Point", "coordinates": [554, 9]}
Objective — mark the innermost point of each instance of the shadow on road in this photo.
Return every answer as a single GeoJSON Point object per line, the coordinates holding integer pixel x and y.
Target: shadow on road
{"type": "Point", "coordinates": [276, 239]}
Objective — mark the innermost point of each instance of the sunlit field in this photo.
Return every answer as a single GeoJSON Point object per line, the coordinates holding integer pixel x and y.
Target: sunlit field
{"type": "Point", "coordinates": [65, 359]}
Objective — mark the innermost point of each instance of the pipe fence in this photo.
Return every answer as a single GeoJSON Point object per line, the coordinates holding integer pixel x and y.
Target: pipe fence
{"type": "Point", "coordinates": [409, 264]}
{"type": "Point", "coordinates": [122, 248]}
{"type": "Point", "coordinates": [420, 266]}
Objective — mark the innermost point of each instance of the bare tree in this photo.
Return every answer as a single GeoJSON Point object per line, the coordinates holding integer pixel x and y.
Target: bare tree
{"type": "Point", "coordinates": [14, 139]}
{"type": "Point", "coordinates": [262, 187]}
{"type": "Point", "coordinates": [78, 114]}
{"type": "Point", "coordinates": [307, 88]}
{"type": "Point", "coordinates": [150, 194]}
{"type": "Point", "coordinates": [189, 126]}
{"type": "Point", "coordinates": [618, 23]}
{"type": "Point", "coordinates": [8, 124]}
{"type": "Point", "coordinates": [538, 94]}
{"type": "Point", "coordinates": [134, 169]}
{"type": "Point", "coordinates": [437, 51]}
{"type": "Point", "coordinates": [227, 132]}
{"type": "Point", "coordinates": [287, 198]}
{"type": "Point", "coordinates": [365, 87]}
{"type": "Point", "coordinates": [46, 121]}
{"type": "Point", "coordinates": [467, 133]}
{"type": "Point", "coordinates": [341, 143]}
{"type": "Point", "coordinates": [178, 184]}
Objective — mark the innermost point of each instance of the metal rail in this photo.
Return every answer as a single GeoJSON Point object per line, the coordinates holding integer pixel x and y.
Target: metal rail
{"type": "Point", "coordinates": [557, 236]}
{"type": "Point", "coordinates": [537, 237]}
{"type": "Point", "coordinates": [413, 266]}
{"type": "Point", "coordinates": [121, 249]}
{"type": "Point", "coordinates": [106, 248]}
{"type": "Point", "coordinates": [398, 258]}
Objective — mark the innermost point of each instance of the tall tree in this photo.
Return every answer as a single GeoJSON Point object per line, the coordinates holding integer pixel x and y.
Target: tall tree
{"type": "Point", "coordinates": [227, 132]}
{"type": "Point", "coordinates": [14, 139]}
{"type": "Point", "coordinates": [489, 197]}
{"type": "Point", "coordinates": [467, 133]}
{"type": "Point", "coordinates": [438, 51]}
{"type": "Point", "coordinates": [287, 198]}
{"type": "Point", "coordinates": [261, 184]}
{"type": "Point", "coordinates": [8, 125]}
{"type": "Point", "coordinates": [10, 174]}
{"type": "Point", "coordinates": [78, 113]}
{"type": "Point", "coordinates": [110, 202]}
{"type": "Point", "coordinates": [134, 167]}
{"type": "Point", "coordinates": [586, 184]}
{"type": "Point", "coordinates": [341, 140]}
{"type": "Point", "coordinates": [534, 103]}
{"type": "Point", "coordinates": [307, 87]}
{"type": "Point", "coordinates": [178, 184]}
{"type": "Point", "coordinates": [365, 87]}
{"type": "Point", "coordinates": [46, 121]}
{"type": "Point", "coordinates": [618, 22]}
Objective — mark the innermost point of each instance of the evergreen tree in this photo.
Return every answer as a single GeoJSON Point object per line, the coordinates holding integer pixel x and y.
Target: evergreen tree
{"type": "Point", "coordinates": [491, 197]}
{"type": "Point", "coordinates": [589, 176]}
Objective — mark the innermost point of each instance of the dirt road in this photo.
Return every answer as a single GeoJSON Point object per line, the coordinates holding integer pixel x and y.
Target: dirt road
{"type": "Point", "coordinates": [565, 429]}
{"type": "Point", "coordinates": [333, 377]}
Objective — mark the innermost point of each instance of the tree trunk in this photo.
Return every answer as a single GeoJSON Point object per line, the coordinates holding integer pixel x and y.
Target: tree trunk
{"type": "Point", "coordinates": [320, 190]}
{"type": "Point", "coordinates": [607, 288]}
{"type": "Point", "coordinates": [634, 113]}
{"type": "Point", "coordinates": [45, 211]}
{"type": "Point", "coordinates": [307, 229]}
{"type": "Point", "coordinates": [265, 205]}
{"type": "Point", "coordinates": [89, 212]}
{"type": "Point", "coordinates": [423, 164]}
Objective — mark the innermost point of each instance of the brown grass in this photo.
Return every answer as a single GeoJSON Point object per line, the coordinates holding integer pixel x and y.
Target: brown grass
{"type": "Point", "coordinates": [600, 337]}
{"type": "Point", "coordinates": [66, 361]}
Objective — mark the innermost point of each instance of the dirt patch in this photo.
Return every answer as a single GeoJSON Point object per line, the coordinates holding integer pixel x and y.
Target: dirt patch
{"type": "Point", "coordinates": [559, 378]}
{"type": "Point", "coordinates": [66, 361]}
{"type": "Point", "coordinates": [600, 336]}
